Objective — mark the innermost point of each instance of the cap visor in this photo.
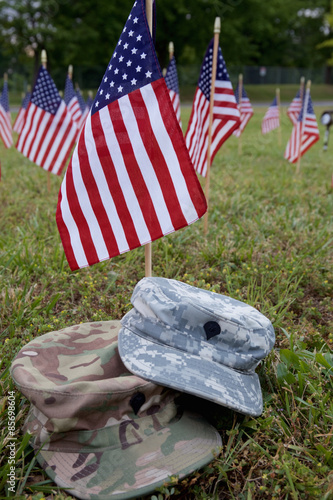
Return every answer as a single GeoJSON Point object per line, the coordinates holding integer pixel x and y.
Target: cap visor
{"type": "Point", "coordinates": [190, 373]}
{"type": "Point", "coordinates": [177, 450]}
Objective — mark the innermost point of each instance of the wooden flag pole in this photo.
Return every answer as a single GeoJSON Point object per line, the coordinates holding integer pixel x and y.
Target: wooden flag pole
{"type": "Point", "coordinates": [148, 250]}
{"type": "Point", "coordinates": [302, 83]}
{"type": "Point", "coordinates": [306, 100]}
{"type": "Point", "coordinates": [217, 30]}
{"type": "Point", "coordinates": [43, 59]}
{"type": "Point", "coordinates": [171, 50]}
{"type": "Point", "coordinates": [70, 71]}
{"type": "Point", "coordinates": [278, 102]}
{"type": "Point", "coordinates": [240, 94]}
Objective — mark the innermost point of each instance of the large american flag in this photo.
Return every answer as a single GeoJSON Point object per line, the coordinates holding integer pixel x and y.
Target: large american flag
{"type": "Point", "coordinates": [5, 117]}
{"type": "Point", "coordinates": [171, 80]}
{"type": "Point", "coordinates": [130, 180]}
{"type": "Point", "coordinates": [305, 132]}
{"type": "Point", "coordinates": [72, 102]}
{"type": "Point", "coordinates": [245, 109]}
{"type": "Point", "coordinates": [226, 117]}
{"type": "Point", "coordinates": [48, 134]}
{"type": "Point", "coordinates": [20, 117]}
{"type": "Point", "coordinates": [271, 119]}
{"type": "Point", "coordinates": [295, 107]}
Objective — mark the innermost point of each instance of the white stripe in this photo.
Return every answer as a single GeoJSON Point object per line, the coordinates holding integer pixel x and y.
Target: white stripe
{"type": "Point", "coordinates": [30, 136]}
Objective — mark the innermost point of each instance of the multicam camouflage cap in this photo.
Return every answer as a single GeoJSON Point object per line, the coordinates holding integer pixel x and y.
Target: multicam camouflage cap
{"type": "Point", "coordinates": [196, 341]}
{"type": "Point", "coordinates": [99, 431]}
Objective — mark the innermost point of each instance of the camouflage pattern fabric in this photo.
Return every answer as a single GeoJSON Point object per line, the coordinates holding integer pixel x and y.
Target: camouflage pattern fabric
{"type": "Point", "coordinates": [99, 431]}
{"type": "Point", "coordinates": [196, 341]}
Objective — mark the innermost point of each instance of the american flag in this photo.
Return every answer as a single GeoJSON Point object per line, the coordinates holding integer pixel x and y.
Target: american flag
{"type": "Point", "coordinates": [130, 180]}
{"type": "Point", "coordinates": [19, 120]}
{"type": "Point", "coordinates": [171, 80]}
{"type": "Point", "coordinates": [72, 102]}
{"type": "Point", "coordinates": [48, 134]}
{"type": "Point", "coordinates": [305, 133]}
{"type": "Point", "coordinates": [245, 109]}
{"type": "Point", "coordinates": [295, 108]}
{"type": "Point", "coordinates": [226, 117]}
{"type": "Point", "coordinates": [271, 119]}
{"type": "Point", "coordinates": [83, 106]}
{"type": "Point", "coordinates": [5, 117]}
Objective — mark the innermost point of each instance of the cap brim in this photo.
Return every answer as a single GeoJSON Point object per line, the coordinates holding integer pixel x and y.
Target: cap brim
{"type": "Point", "coordinates": [177, 450]}
{"type": "Point", "coordinates": [190, 373]}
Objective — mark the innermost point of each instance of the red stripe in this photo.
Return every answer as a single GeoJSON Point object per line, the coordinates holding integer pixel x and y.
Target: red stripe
{"type": "Point", "coordinates": [65, 236]}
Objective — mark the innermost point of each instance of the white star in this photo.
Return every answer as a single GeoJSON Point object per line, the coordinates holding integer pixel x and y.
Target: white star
{"type": "Point", "coordinates": [107, 96]}
{"type": "Point", "coordinates": [116, 71]}
{"type": "Point", "coordinates": [125, 45]}
{"type": "Point", "coordinates": [120, 88]}
{"type": "Point", "coordinates": [131, 33]}
{"type": "Point", "coordinates": [148, 74]}
{"type": "Point", "coordinates": [121, 58]}
{"type": "Point", "coordinates": [134, 50]}
{"type": "Point", "coordinates": [138, 38]}
{"type": "Point", "coordinates": [124, 76]}
{"type": "Point", "coordinates": [135, 20]}
{"type": "Point", "coordinates": [138, 69]}
{"type": "Point", "coordinates": [110, 66]}
{"type": "Point", "coordinates": [143, 56]}
{"type": "Point", "coordinates": [97, 104]}
{"type": "Point", "coordinates": [106, 79]}
{"type": "Point", "coordinates": [119, 43]}
{"type": "Point", "coordinates": [129, 63]}
{"type": "Point", "coordinates": [112, 84]}
{"type": "Point", "coordinates": [101, 92]}
{"type": "Point", "coordinates": [133, 81]}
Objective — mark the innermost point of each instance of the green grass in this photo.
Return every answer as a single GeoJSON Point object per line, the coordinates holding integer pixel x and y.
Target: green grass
{"type": "Point", "coordinates": [269, 243]}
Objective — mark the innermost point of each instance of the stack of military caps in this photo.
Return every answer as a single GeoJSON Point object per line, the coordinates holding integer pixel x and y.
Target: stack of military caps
{"type": "Point", "coordinates": [99, 431]}
{"type": "Point", "coordinates": [196, 341]}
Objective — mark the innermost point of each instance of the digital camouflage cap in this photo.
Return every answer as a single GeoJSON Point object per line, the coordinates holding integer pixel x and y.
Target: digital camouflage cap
{"type": "Point", "coordinates": [99, 431]}
{"type": "Point", "coordinates": [196, 341]}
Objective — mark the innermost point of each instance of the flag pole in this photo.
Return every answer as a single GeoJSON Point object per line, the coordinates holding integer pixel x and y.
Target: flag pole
{"type": "Point", "coordinates": [278, 102]}
{"type": "Point", "coordinates": [302, 83]}
{"type": "Point", "coordinates": [43, 59]}
{"type": "Point", "coordinates": [240, 94]}
{"type": "Point", "coordinates": [171, 50]}
{"type": "Point", "coordinates": [217, 30]}
{"type": "Point", "coordinates": [148, 250]}
{"type": "Point", "coordinates": [305, 107]}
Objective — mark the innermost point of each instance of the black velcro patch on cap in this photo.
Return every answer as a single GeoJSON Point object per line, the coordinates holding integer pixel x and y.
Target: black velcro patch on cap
{"type": "Point", "coordinates": [212, 328]}
{"type": "Point", "coordinates": [137, 401]}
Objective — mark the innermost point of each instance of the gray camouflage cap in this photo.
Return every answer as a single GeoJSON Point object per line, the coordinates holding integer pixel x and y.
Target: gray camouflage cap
{"type": "Point", "coordinates": [196, 341]}
{"type": "Point", "coordinates": [99, 431]}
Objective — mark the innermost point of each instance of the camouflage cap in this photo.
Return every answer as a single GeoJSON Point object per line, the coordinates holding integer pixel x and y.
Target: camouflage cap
{"type": "Point", "coordinates": [99, 431]}
{"type": "Point", "coordinates": [196, 341]}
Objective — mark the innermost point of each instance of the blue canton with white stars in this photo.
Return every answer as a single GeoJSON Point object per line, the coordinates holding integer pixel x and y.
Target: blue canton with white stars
{"type": "Point", "coordinates": [205, 79]}
{"type": "Point", "coordinates": [133, 64]}
{"type": "Point", "coordinates": [45, 94]}
{"type": "Point", "coordinates": [244, 94]}
{"type": "Point", "coordinates": [309, 110]}
{"type": "Point", "coordinates": [171, 78]}
{"type": "Point", "coordinates": [4, 97]}
{"type": "Point", "coordinates": [69, 91]}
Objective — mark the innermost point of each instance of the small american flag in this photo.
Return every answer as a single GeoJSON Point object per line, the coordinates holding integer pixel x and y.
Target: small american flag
{"type": "Point", "coordinates": [48, 134]}
{"type": "Point", "coordinates": [245, 109]}
{"type": "Point", "coordinates": [83, 106]}
{"type": "Point", "coordinates": [72, 102]}
{"type": "Point", "coordinates": [226, 117]}
{"type": "Point", "coordinates": [130, 180]}
{"type": "Point", "coordinates": [19, 120]}
{"type": "Point", "coordinates": [5, 117]}
{"type": "Point", "coordinates": [295, 107]}
{"type": "Point", "coordinates": [271, 119]}
{"type": "Point", "coordinates": [305, 132]}
{"type": "Point", "coordinates": [171, 80]}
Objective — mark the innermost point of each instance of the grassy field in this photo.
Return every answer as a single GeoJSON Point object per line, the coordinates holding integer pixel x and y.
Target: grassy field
{"type": "Point", "coordinates": [269, 243]}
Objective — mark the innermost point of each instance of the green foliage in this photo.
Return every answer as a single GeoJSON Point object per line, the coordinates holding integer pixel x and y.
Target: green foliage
{"type": "Point", "coordinates": [269, 243]}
